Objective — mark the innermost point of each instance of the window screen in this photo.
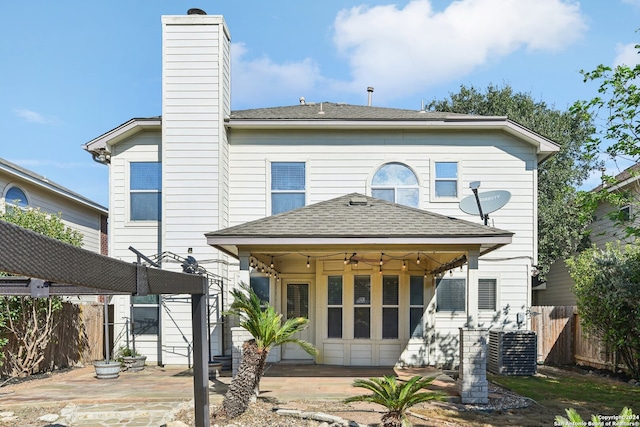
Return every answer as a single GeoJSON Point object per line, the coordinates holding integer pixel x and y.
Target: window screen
{"type": "Point", "coordinates": [446, 179]}
{"type": "Point", "coordinates": [416, 305]}
{"type": "Point", "coordinates": [287, 186]}
{"type": "Point", "coordinates": [145, 191]}
{"type": "Point", "coordinates": [260, 285]}
{"type": "Point", "coordinates": [487, 294]}
{"type": "Point", "coordinates": [450, 294]}
{"type": "Point", "coordinates": [145, 314]}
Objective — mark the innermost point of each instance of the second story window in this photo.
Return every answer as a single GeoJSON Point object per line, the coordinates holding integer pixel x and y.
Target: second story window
{"type": "Point", "coordinates": [446, 180]}
{"type": "Point", "coordinates": [287, 186]}
{"type": "Point", "coordinates": [16, 197]}
{"type": "Point", "coordinates": [396, 183]}
{"type": "Point", "coordinates": [145, 191]}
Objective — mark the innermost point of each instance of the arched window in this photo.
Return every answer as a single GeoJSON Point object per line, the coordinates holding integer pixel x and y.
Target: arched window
{"type": "Point", "coordinates": [397, 183]}
{"type": "Point", "coordinates": [15, 196]}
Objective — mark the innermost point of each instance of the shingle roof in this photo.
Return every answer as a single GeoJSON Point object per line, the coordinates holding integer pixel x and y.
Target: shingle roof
{"type": "Point", "coordinates": [338, 111]}
{"type": "Point", "coordinates": [355, 215]}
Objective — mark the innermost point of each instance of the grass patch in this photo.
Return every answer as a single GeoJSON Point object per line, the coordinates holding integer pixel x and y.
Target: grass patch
{"type": "Point", "coordinates": [559, 389]}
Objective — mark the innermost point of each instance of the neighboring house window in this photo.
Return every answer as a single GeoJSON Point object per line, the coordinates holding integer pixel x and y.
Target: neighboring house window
{"type": "Point", "coordinates": [450, 294]}
{"type": "Point", "coordinates": [145, 191]}
{"type": "Point", "coordinates": [416, 306]}
{"type": "Point", "coordinates": [487, 294]}
{"type": "Point", "coordinates": [145, 313]}
{"type": "Point", "coordinates": [625, 213]}
{"type": "Point", "coordinates": [334, 307]}
{"type": "Point", "coordinates": [260, 285]}
{"type": "Point", "coordinates": [287, 186]}
{"type": "Point", "coordinates": [445, 180]}
{"type": "Point", "coordinates": [390, 307]}
{"type": "Point", "coordinates": [396, 183]}
{"type": "Point", "coordinates": [16, 197]}
{"type": "Point", "coordinates": [362, 306]}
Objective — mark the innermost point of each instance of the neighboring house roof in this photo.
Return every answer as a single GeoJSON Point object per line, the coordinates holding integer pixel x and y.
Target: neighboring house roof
{"type": "Point", "coordinates": [329, 115]}
{"type": "Point", "coordinates": [43, 182]}
{"type": "Point", "coordinates": [624, 178]}
{"type": "Point", "coordinates": [358, 219]}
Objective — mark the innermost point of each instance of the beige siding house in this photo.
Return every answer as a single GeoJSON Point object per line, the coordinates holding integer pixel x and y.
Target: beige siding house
{"type": "Point", "coordinates": [22, 187]}
{"type": "Point", "coordinates": [348, 215]}
{"type": "Point", "coordinates": [558, 290]}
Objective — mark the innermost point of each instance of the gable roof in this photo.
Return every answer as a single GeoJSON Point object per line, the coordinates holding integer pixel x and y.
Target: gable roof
{"type": "Point", "coordinates": [358, 219]}
{"type": "Point", "coordinates": [44, 183]}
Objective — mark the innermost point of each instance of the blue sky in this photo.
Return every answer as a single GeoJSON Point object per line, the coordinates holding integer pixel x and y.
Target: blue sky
{"type": "Point", "coordinates": [73, 70]}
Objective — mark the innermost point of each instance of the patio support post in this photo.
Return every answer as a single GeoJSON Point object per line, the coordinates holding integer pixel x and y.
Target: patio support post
{"type": "Point", "coordinates": [200, 358]}
{"type": "Point", "coordinates": [471, 305]}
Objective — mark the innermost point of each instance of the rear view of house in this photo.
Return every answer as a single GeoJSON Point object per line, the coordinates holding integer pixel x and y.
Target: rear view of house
{"type": "Point", "coordinates": [345, 214]}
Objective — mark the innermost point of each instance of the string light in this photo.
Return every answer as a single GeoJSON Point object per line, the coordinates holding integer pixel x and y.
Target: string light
{"type": "Point", "coordinates": [381, 259]}
{"type": "Point", "coordinates": [404, 264]}
{"type": "Point", "coordinates": [380, 272]}
{"type": "Point", "coordinates": [271, 261]}
{"type": "Point", "coordinates": [308, 263]}
{"type": "Point", "coordinates": [450, 273]}
{"type": "Point", "coordinates": [345, 259]}
{"type": "Point", "coordinates": [418, 260]}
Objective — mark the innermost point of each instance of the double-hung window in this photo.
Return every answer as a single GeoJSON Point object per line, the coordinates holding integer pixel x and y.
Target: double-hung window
{"type": "Point", "coordinates": [145, 191]}
{"type": "Point", "coordinates": [334, 307]}
{"type": "Point", "coordinates": [362, 306]}
{"type": "Point", "coordinates": [145, 312]}
{"type": "Point", "coordinates": [287, 186]}
{"type": "Point", "coordinates": [389, 307]}
{"type": "Point", "coordinates": [416, 306]}
{"type": "Point", "coordinates": [445, 180]}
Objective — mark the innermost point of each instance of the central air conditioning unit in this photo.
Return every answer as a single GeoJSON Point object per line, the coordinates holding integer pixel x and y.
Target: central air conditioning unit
{"type": "Point", "coordinates": [512, 352]}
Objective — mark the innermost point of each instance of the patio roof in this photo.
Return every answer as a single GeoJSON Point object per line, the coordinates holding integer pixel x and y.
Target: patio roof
{"type": "Point", "coordinates": [355, 220]}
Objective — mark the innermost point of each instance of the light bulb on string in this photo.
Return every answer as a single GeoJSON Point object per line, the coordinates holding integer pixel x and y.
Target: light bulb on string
{"type": "Point", "coordinates": [418, 260]}
{"type": "Point", "coordinates": [308, 262]}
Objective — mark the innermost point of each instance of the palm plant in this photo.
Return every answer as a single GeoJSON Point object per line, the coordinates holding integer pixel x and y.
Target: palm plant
{"type": "Point", "coordinates": [626, 418]}
{"type": "Point", "coordinates": [396, 396]}
{"type": "Point", "coordinates": [268, 330]}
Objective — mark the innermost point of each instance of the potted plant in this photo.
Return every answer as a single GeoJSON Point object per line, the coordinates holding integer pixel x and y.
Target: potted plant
{"type": "Point", "coordinates": [130, 359]}
{"type": "Point", "coordinates": [107, 369]}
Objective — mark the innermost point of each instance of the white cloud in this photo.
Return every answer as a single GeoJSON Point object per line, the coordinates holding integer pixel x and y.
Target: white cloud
{"type": "Point", "coordinates": [260, 81]}
{"type": "Point", "coordinates": [34, 117]}
{"type": "Point", "coordinates": [626, 54]}
{"type": "Point", "coordinates": [404, 50]}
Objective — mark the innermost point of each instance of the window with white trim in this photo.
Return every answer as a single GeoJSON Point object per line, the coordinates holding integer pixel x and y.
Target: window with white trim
{"type": "Point", "coordinates": [145, 191]}
{"type": "Point", "coordinates": [334, 307]}
{"type": "Point", "coordinates": [15, 196]}
{"type": "Point", "coordinates": [396, 183]}
{"type": "Point", "coordinates": [146, 314]}
{"type": "Point", "coordinates": [487, 294]}
{"type": "Point", "coordinates": [362, 306]}
{"type": "Point", "coordinates": [445, 181]}
{"type": "Point", "coordinates": [260, 286]}
{"type": "Point", "coordinates": [390, 307]}
{"type": "Point", "coordinates": [287, 186]}
{"type": "Point", "coordinates": [450, 294]}
{"type": "Point", "coordinates": [416, 306]}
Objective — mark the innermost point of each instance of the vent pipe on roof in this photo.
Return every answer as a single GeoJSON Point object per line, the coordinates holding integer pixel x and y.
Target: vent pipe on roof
{"type": "Point", "coordinates": [302, 100]}
{"type": "Point", "coordinates": [370, 91]}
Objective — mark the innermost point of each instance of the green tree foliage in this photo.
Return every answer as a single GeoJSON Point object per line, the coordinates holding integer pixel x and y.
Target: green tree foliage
{"type": "Point", "coordinates": [607, 288]}
{"type": "Point", "coordinates": [563, 212]}
{"type": "Point", "coordinates": [396, 396]}
{"type": "Point", "coordinates": [268, 331]}
{"type": "Point", "coordinates": [617, 110]}
{"type": "Point", "coordinates": [26, 323]}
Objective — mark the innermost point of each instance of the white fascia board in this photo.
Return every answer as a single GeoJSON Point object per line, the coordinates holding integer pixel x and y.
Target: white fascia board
{"type": "Point", "coordinates": [122, 132]}
{"type": "Point", "coordinates": [623, 184]}
{"type": "Point", "coordinates": [54, 188]}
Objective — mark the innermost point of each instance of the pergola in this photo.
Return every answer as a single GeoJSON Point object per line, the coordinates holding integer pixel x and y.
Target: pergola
{"type": "Point", "coordinates": [46, 267]}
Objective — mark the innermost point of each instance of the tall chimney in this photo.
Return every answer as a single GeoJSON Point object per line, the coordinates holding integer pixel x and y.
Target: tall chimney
{"type": "Point", "coordinates": [370, 91]}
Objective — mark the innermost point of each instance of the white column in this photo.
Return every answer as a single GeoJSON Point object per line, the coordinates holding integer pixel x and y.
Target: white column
{"type": "Point", "coordinates": [471, 305]}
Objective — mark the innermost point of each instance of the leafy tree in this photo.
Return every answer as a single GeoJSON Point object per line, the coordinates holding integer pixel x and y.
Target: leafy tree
{"type": "Point", "coordinates": [26, 323]}
{"type": "Point", "coordinates": [617, 108]}
{"type": "Point", "coordinates": [607, 288]}
{"type": "Point", "coordinates": [396, 396]}
{"type": "Point", "coordinates": [268, 330]}
{"type": "Point", "coordinates": [563, 212]}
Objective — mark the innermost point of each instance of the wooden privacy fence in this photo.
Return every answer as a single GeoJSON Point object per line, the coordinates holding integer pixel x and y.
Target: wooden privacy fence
{"type": "Point", "coordinates": [77, 337]}
{"type": "Point", "coordinates": [562, 341]}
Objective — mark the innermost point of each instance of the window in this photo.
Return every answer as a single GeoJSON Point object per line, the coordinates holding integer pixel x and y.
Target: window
{"type": "Point", "coordinates": [450, 295]}
{"type": "Point", "coordinates": [416, 306]}
{"type": "Point", "coordinates": [297, 300]}
{"type": "Point", "coordinates": [487, 294]}
{"type": "Point", "coordinates": [287, 186]}
{"type": "Point", "coordinates": [362, 306]}
{"type": "Point", "coordinates": [334, 310]}
{"type": "Point", "coordinates": [145, 191]}
{"type": "Point", "coordinates": [145, 312]}
{"type": "Point", "coordinates": [260, 285]}
{"type": "Point", "coordinates": [446, 180]}
{"type": "Point", "coordinates": [624, 214]}
{"type": "Point", "coordinates": [396, 183]}
{"type": "Point", "coordinates": [16, 197]}
{"type": "Point", "coordinates": [389, 307]}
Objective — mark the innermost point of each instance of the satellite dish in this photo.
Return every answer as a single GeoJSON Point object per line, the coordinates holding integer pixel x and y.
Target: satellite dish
{"type": "Point", "coordinates": [490, 201]}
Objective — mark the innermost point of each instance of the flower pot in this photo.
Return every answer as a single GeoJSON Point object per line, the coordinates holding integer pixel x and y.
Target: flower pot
{"type": "Point", "coordinates": [225, 360]}
{"type": "Point", "coordinates": [133, 363]}
{"type": "Point", "coordinates": [106, 370]}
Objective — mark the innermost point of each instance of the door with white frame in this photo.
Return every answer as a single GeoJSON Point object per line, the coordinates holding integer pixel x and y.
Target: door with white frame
{"type": "Point", "coordinates": [295, 303]}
